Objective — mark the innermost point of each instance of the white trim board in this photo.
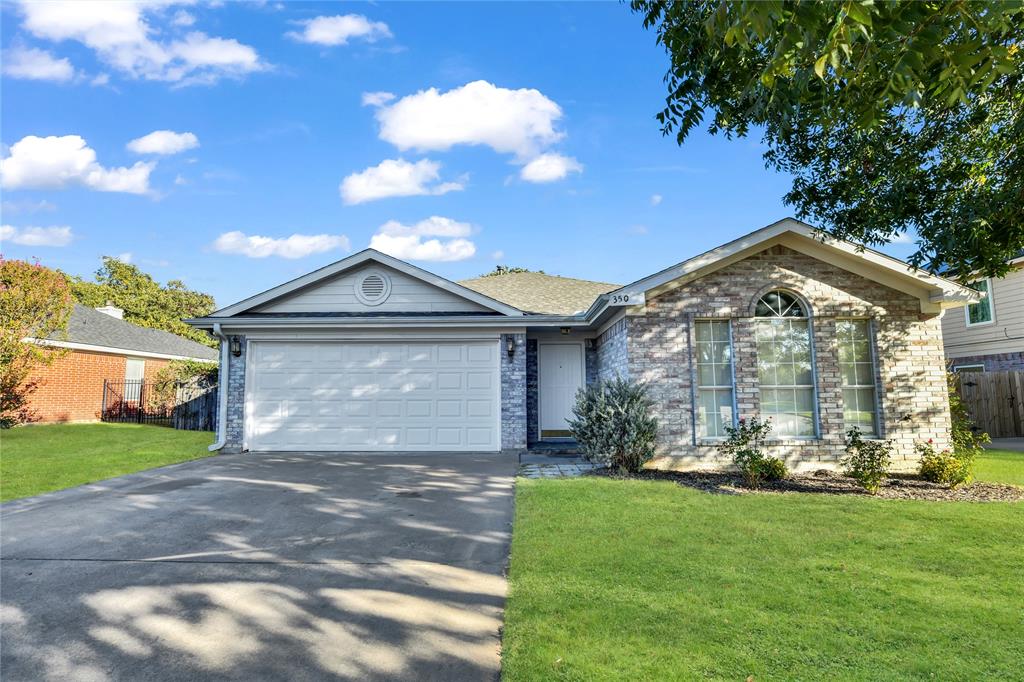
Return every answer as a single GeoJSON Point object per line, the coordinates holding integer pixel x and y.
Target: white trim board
{"type": "Point", "coordinates": [114, 351]}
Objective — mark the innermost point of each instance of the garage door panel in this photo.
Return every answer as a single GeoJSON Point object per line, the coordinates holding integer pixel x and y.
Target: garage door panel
{"type": "Point", "coordinates": [373, 396]}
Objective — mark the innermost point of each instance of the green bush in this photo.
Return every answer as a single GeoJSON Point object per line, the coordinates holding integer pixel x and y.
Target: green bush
{"type": "Point", "coordinates": [945, 467]}
{"type": "Point", "coordinates": [612, 422]}
{"type": "Point", "coordinates": [772, 469]}
{"type": "Point", "coordinates": [867, 461]}
{"type": "Point", "coordinates": [744, 447]}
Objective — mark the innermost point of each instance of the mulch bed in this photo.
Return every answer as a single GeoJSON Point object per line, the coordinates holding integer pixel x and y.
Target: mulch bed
{"type": "Point", "coordinates": [825, 482]}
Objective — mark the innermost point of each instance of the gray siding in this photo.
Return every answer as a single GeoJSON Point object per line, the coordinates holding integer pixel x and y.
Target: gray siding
{"type": "Point", "coordinates": [1004, 335]}
{"type": "Point", "coordinates": [408, 295]}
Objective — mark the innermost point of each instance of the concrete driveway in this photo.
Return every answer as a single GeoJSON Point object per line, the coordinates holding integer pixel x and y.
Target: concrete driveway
{"type": "Point", "coordinates": [257, 567]}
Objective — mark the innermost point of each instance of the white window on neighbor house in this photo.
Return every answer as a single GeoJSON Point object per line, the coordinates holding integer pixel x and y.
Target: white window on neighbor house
{"type": "Point", "coordinates": [984, 311]}
{"type": "Point", "coordinates": [715, 396]}
{"type": "Point", "coordinates": [785, 365]}
{"type": "Point", "coordinates": [857, 371]}
{"type": "Point", "coordinates": [134, 375]}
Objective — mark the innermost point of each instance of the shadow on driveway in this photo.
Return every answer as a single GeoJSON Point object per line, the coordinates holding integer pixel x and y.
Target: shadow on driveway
{"type": "Point", "coordinates": [298, 566]}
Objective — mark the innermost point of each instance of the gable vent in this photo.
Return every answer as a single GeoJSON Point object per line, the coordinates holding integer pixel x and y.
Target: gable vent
{"type": "Point", "coordinates": [373, 288]}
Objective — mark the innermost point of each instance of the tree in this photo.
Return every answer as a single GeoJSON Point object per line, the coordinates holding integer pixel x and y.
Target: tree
{"type": "Point", "coordinates": [35, 302]}
{"type": "Point", "coordinates": [143, 300]}
{"type": "Point", "coordinates": [507, 270]}
{"type": "Point", "coordinates": [891, 116]}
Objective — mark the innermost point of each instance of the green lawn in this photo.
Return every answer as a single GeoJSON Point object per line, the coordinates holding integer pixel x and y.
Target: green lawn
{"type": "Point", "coordinates": [649, 580]}
{"type": "Point", "coordinates": [1000, 466]}
{"type": "Point", "coordinates": [39, 459]}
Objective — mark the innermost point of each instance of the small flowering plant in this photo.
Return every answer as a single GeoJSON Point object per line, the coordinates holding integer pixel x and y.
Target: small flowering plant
{"type": "Point", "coordinates": [744, 445]}
{"type": "Point", "coordinates": [945, 466]}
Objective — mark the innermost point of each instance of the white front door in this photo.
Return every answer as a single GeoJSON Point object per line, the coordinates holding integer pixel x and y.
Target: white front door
{"type": "Point", "coordinates": [335, 395]}
{"type": "Point", "coordinates": [561, 376]}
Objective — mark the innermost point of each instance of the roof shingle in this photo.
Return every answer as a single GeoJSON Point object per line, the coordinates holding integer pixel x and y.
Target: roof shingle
{"type": "Point", "coordinates": [94, 328]}
{"type": "Point", "coordinates": [536, 292]}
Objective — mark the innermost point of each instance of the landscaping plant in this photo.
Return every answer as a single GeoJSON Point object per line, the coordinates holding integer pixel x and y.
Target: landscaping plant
{"type": "Point", "coordinates": [744, 446]}
{"type": "Point", "coordinates": [613, 425]}
{"type": "Point", "coordinates": [944, 466]}
{"type": "Point", "coordinates": [867, 461]}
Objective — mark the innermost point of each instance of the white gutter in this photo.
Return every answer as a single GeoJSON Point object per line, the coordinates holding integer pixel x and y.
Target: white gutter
{"type": "Point", "coordinates": [222, 387]}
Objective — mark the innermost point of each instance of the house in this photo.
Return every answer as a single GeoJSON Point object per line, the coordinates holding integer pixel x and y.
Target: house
{"type": "Point", "coordinates": [102, 346]}
{"type": "Point", "coordinates": [373, 354]}
{"type": "Point", "coordinates": [988, 336]}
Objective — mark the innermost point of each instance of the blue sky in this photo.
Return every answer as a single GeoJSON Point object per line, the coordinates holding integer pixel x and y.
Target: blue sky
{"type": "Point", "coordinates": [477, 134]}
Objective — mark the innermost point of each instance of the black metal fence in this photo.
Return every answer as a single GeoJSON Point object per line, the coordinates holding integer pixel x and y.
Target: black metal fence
{"type": "Point", "coordinates": [191, 407]}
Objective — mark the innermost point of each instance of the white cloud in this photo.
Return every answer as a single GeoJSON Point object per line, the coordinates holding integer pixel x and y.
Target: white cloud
{"type": "Point", "coordinates": [376, 99]}
{"type": "Point", "coordinates": [521, 122]}
{"type": "Point", "coordinates": [163, 142]}
{"type": "Point", "coordinates": [549, 168]}
{"type": "Point", "coordinates": [33, 64]}
{"type": "Point", "coordinates": [100, 79]}
{"type": "Point", "coordinates": [122, 36]}
{"type": "Point", "coordinates": [434, 226]}
{"type": "Point", "coordinates": [656, 199]}
{"type": "Point", "coordinates": [338, 30]}
{"type": "Point", "coordinates": [396, 178]}
{"type": "Point", "coordinates": [638, 229]}
{"type": "Point", "coordinates": [407, 241]}
{"type": "Point", "coordinates": [27, 206]}
{"type": "Point", "coordinates": [58, 162]}
{"type": "Point", "coordinates": [498, 255]}
{"type": "Point", "coordinates": [125, 257]}
{"type": "Point", "coordinates": [295, 246]}
{"type": "Point", "coordinates": [180, 180]}
{"type": "Point", "coordinates": [183, 18]}
{"type": "Point", "coordinates": [904, 238]}
{"type": "Point", "coordinates": [36, 236]}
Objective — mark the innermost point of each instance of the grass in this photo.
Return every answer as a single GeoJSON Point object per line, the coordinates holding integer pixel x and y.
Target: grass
{"type": "Point", "coordinates": [1000, 466]}
{"type": "Point", "coordinates": [43, 458]}
{"type": "Point", "coordinates": [649, 580]}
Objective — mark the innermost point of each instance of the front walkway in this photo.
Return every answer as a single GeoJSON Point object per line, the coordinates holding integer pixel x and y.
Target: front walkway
{"type": "Point", "coordinates": [263, 567]}
{"type": "Point", "coordinates": [534, 465]}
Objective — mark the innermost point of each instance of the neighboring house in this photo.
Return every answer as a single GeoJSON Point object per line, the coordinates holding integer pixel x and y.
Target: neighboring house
{"type": "Point", "coordinates": [988, 336]}
{"type": "Point", "coordinates": [374, 354]}
{"type": "Point", "coordinates": [102, 346]}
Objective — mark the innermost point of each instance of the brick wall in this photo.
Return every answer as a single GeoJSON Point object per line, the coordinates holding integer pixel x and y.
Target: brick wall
{"type": "Point", "coordinates": [911, 369]}
{"type": "Point", "coordinates": [612, 352]}
{"type": "Point", "coordinates": [235, 422]}
{"type": "Point", "coordinates": [532, 387]}
{"type": "Point", "coordinates": [513, 394]}
{"type": "Point", "coordinates": [71, 388]}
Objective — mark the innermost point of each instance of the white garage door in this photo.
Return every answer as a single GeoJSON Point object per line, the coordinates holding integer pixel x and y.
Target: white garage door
{"type": "Point", "coordinates": [373, 396]}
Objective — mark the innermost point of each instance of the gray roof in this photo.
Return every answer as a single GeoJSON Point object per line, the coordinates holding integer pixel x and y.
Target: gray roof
{"type": "Point", "coordinates": [536, 292]}
{"type": "Point", "coordinates": [94, 328]}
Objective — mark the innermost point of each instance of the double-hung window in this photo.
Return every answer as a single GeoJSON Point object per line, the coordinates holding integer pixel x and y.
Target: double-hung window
{"type": "Point", "coordinates": [785, 365]}
{"type": "Point", "coordinates": [982, 312]}
{"type": "Point", "coordinates": [715, 404]}
{"type": "Point", "coordinates": [857, 370]}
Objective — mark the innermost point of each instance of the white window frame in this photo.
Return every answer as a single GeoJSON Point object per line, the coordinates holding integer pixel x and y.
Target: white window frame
{"type": "Point", "coordinates": [988, 299]}
{"type": "Point", "coordinates": [874, 378]}
{"type": "Point", "coordinates": [696, 378]}
{"type": "Point", "coordinates": [973, 365]}
{"type": "Point", "coordinates": [815, 405]}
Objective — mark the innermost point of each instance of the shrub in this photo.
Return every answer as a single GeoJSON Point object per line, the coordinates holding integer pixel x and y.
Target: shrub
{"type": "Point", "coordinates": [945, 467]}
{"type": "Point", "coordinates": [612, 423]}
{"type": "Point", "coordinates": [867, 461]}
{"type": "Point", "coordinates": [772, 469]}
{"type": "Point", "coordinates": [744, 446]}
{"type": "Point", "coordinates": [966, 439]}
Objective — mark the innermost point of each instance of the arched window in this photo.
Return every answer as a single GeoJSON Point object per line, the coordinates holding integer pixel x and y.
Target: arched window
{"type": "Point", "coordinates": [785, 364]}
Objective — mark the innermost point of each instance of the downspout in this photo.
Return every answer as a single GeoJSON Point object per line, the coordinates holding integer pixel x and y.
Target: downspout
{"type": "Point", "coordinates": [222, 381]}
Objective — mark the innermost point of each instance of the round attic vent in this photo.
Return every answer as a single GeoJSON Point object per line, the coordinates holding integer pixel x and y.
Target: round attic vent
{"type": "Point", "coordinates": [373, 288]}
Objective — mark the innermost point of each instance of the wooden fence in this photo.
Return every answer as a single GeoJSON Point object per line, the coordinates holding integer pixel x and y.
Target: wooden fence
{"type": "Point", "coordinates": [995, 401]}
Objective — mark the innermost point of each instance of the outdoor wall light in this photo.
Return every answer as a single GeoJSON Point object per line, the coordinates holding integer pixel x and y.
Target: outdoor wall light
{"type": "Point", "coordinates": [565, 331]}
{"type": "Point", "coordinates": [510, 346]}
{"type": "Point", "coordinates": [236, 346]}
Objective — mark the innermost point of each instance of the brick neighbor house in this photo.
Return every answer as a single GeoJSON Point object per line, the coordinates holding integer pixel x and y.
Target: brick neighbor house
{"type": "Point", "coordinates": [102, 346]}
{"type": "Point", "coordinates": [374, 354]}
